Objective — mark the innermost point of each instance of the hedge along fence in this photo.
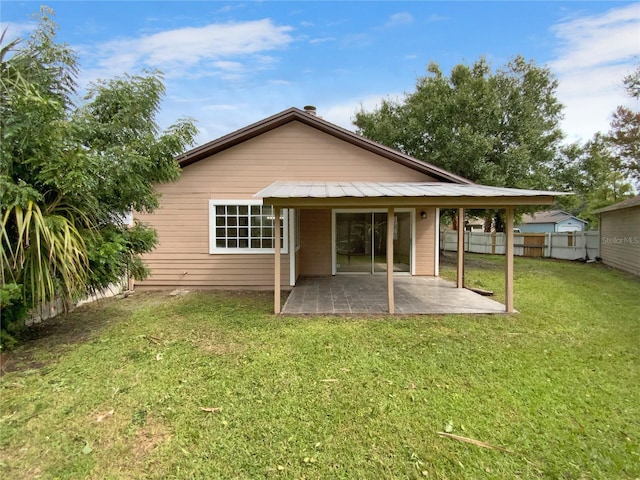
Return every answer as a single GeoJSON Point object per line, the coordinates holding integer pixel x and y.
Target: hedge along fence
{"type": "Point", "coordinates": [564, 245]}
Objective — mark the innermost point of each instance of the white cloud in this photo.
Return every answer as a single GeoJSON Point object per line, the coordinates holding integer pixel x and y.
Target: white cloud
{"type": "Point", "coordinates": [599, 39]}
{"type": "Point", "coordinates": [315, 41]}
{"type": "Point", "coordinates": [175, 51]}
{"type": "Point", "coordinates": [594, 54]}
{"type": "Point", "coordinates": [222, 107]}
{"type": "Point", "coordinates": [357, 40]}
{"type": "Point", "coordinates": [200, 100]}
{"type": "Point", "coordinates": [266, 60]}
{"type": "Point", "coordinates": [228, 65]}
{"type": "Point", "coordinates": [434, 17]}
{"type": "Point", "coordinates": [344, 113]}
{"type": "Point", "coordinates": [397, 19]}
{"type": "Point", "coordinates": [16, 30]}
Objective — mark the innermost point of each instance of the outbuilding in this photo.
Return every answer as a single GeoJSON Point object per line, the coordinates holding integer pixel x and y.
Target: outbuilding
{"type": "Point", "coordinates": [620, 235]}
{"type": "Point", "coordinates": [551, 221]}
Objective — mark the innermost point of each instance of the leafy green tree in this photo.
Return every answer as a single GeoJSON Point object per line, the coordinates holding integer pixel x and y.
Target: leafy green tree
{"type": "Point", "coordinates": [496, 128]}
{"type": "Point", "coordinates": [599, 172]}
{"type": "Point", "coordinates": [625, 129]}
{"type": "Point", "coordinates": [70, 174]}
{"type": "Point", "coordinates": [593, 173]}
{"type": "Point", "coordinates": [42, 247]}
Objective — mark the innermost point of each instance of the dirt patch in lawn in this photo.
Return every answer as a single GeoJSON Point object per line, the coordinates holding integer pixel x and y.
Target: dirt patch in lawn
{"type": "Point", "coordinates": [149, 437]}
{"type": "Point", "coordinates": [221, 348]}
{"type": "Point", "coordinates": [55, 335]}
{"type": "Point", "coordinates": [118, 455]}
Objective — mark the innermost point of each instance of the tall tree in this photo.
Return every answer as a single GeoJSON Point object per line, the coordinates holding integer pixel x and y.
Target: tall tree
{"type": "Point", "coordinates": [496, 128]}
{"type": "Point", "coordinates": [69, 174]}
{"type": "Point", "coordinates": [625, 129]}
{"type": "Point", "coordinates": [593, 173]}
{"type": "Point", "coordinates": [599, 172]}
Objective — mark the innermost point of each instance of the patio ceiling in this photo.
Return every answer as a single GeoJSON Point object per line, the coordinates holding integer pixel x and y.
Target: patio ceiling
{"type": "Point", "coordinates": [397, 194]}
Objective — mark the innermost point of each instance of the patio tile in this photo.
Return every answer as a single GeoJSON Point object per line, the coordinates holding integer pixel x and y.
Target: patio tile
{"type": "Point", "coordinates": [367, 294]}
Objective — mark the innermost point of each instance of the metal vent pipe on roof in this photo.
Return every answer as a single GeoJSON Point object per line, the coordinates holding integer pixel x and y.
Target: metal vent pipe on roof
{"type": "Point", "coordinates": [310, 109]}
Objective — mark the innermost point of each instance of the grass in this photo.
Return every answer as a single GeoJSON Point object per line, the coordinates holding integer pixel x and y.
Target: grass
{"type": "Point", "coordinates": [115, 389]}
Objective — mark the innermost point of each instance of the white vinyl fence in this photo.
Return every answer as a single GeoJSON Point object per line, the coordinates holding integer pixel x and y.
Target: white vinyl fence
{"type": "Point", "coordinates": [565, 245]}
{"type": "Point", "coordinates": [56, 307]}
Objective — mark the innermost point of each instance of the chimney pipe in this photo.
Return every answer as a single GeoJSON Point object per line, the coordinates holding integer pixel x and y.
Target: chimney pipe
{"type": "Point", "coordinates": [310, 109]}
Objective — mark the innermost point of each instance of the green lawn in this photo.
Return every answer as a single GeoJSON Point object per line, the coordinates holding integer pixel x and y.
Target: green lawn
{"type": "Point", "coordinates": [115, 389]}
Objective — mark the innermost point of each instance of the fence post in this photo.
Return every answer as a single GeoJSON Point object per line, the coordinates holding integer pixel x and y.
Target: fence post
{"type": "Point", "coordinates": [547, 242]}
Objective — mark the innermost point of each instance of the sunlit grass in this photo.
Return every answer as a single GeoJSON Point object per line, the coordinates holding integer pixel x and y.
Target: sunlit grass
{"type": "Point", "coordinates": [557, 385]}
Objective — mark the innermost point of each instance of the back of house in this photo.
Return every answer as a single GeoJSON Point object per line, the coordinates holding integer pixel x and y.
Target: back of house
{"type": "Point", "coordinates": [214, 233]}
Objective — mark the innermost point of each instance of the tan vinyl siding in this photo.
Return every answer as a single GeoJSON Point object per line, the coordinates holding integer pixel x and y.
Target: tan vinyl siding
{"type": "Point", "coordinates": [214, 271]}
{"type": "Point", "coordinates": [293, 151]}
{"type": "Point", "coordinates": [315, 242]}
{"type": "Point", "coordinates": [425, 238]}
{"type": "Point", "coordinates": [620, 239]}
{"type": "Point", "coordinates": [182, 257]}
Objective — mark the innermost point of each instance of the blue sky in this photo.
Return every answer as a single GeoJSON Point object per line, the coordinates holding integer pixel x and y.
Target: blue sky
{"type": "Point", "coordinates": [228, 64]}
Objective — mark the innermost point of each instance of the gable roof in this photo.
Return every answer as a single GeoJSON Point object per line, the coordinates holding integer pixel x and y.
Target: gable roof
{"type": "Point", "coordinates": [295, 114]}
{"type": "Point", "coordinates": [628, 203]}
{"type": "Point", "coordinates": [549, 216]}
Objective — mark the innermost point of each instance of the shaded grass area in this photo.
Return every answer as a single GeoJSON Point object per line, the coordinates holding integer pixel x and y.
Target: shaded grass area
{"type": "Point", "coordinates": [557, 385]}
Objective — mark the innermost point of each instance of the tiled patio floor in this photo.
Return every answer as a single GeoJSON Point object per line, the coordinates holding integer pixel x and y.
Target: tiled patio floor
{"type": "Point", "coordinates": [367, 294]}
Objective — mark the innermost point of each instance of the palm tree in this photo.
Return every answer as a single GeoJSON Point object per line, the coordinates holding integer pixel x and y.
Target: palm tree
{"type": "Point", "coordinates": [44, 252]}
{"type": "Point", "coordinates": [43, 255]}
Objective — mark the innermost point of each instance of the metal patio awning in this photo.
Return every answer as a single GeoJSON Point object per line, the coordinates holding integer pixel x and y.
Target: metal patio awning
{"type": "Point", "coordinates": [394, 194]}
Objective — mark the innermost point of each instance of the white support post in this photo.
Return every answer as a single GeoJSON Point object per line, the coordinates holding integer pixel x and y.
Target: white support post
{"type": "Point", "coordinates": [292, 247]}
{"type": "Point", "coordinates": [390, 230]}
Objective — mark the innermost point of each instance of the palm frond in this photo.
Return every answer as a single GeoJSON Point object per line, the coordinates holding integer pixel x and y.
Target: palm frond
{"type": "Point", "coordinates": [45, 251]}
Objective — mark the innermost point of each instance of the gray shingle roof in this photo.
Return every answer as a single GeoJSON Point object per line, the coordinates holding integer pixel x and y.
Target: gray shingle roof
{"type": "Point", "coordinates": [628, 203]}
{"type": "Point", "coordinates": [549, 216]}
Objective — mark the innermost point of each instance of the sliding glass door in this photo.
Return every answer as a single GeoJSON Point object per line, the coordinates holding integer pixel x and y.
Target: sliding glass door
{"type": "Point", "coordinates": [361, 242]}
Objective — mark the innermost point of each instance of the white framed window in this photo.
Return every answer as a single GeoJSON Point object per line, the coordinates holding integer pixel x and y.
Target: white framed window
{"type": "Point", "coordinates": [245, 226]}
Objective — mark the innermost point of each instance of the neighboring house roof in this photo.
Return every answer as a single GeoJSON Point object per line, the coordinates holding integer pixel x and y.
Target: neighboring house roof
{"type": "Point", "coordinates": [549, 216]}
{"type": "Point", "coordinates": [295, 114]}
{"type": "Point", "coordinates": [628, 203]}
